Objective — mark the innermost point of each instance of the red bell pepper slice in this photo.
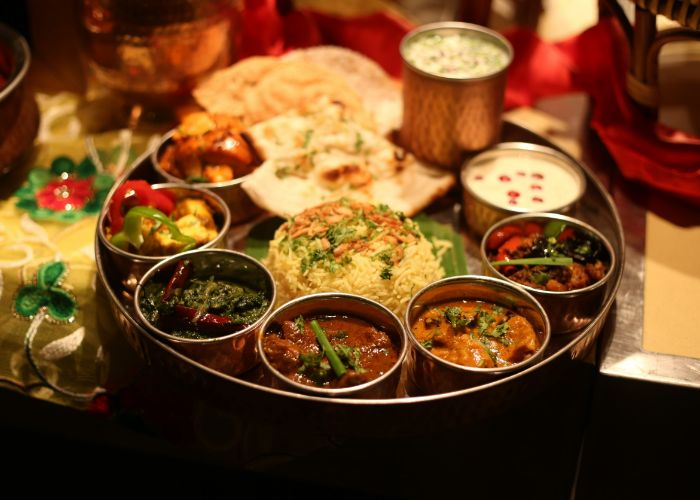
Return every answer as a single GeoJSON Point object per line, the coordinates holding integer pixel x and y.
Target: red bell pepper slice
{"type": "Point", "coordinates": [533, 228]}
{"type": "Point", "coordinates": [567, 233]}
{"type": "Point", "coordinates": [144, 194]}
{"type": "Point", "coordinates": [502, 234]}
{"type": "Point", "coordinates": [505, 251]}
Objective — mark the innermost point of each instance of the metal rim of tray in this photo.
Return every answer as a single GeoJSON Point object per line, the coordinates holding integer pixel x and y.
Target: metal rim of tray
{"type": "Point", "coordinates": [590, 330]}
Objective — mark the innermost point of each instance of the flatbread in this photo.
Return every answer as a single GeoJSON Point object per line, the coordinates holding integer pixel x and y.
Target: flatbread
{"type": "Point", "coordinates": [380, 94]}
{"type": "Point", "coordinates": [321, 154]}
{"type": "Point", "coordinates": [259, 88]}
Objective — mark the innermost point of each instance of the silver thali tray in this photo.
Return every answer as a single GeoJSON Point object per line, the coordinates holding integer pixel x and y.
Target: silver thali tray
{"type": "Point", "coordinates": [254, 402]}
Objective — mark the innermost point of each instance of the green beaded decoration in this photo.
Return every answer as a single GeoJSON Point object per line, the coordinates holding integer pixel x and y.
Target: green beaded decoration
{"type": "Point", "coordinates": [46, 292]}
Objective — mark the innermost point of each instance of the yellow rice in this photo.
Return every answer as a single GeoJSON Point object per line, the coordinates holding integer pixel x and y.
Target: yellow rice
{"type": "Point", "coordinates": [355, 248]}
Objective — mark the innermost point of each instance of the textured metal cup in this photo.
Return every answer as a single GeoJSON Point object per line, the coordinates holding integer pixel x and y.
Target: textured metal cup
{"type": "Point", "coordinates": [336, 304]}
{"type": "Point", "coordinates": [231, 354]}
{"type": "Point", "coordinates": [481, 214]}
{"type": "Point", "coordinates": [430, 374]}
{"type": "Point", "coordinates": [567, 311]}
{"type": "Point", "coordinates": [132, 266]}
{"type": "Point", "coordinates": [239, 203]}
{"type": "Point", "coordinates": [445, 116]}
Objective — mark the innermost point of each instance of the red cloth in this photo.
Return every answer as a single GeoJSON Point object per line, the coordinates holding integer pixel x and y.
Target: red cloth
{"type": "Point", "coordinates": [593, 62]}
{"type": "Point", "coordinates": [264, 31]}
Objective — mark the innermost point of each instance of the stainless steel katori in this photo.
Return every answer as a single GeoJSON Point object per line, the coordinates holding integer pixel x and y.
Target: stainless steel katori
{"type": "Point", "coordinates": [481, 213]}
{"type": "Point", "coordinates": [257, 404]}
{"type": "Point", "coordinates": [234, 353]}
{"type": "Point", "coordinates": [340, 304]}
{"type": "Point", "coordinates": [133, 266]}
{"type": "Point", "coordinates": [568, 311]}
{"type": "Point", "coordinates": [445, 116]}
{"type": "Point", "coordinates": [239, 203]}
{"type": "Point", "coordinates": [431, 374]}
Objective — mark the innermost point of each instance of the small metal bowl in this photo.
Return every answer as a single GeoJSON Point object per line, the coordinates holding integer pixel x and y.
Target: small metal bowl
{"type": "Point", "coordinates": [430, 374]}
{"type": "Point", "coordinates": [231, 354]}
{"type": "Point", "coordinates": [132, 265]}
{"type": "Point", "coordinates": [19, 114]}
{"type": "Point", "coordinates": [333, 303]}
{"type": "Point", "coordinates": [567, 311]}
{"type": "Point", "coordinates": [240, 205]}
{"type": "Point", "coordinates": [482, 210]}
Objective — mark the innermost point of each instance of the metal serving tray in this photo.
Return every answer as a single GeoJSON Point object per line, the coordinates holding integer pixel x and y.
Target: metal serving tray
{"type": "Point", "coordinates": [256, 403]}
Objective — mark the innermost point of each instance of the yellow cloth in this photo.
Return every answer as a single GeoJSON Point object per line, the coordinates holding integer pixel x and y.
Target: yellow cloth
{"type": "Point", "coordinates": [87, 353]}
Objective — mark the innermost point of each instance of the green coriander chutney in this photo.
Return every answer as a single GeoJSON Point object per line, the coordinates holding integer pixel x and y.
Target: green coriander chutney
{"type": "Point", "coordinates": [204, 308]}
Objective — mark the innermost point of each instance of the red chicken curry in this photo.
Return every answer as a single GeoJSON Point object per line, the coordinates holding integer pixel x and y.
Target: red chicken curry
{"type": "Point", "coordinates": [361, 352]}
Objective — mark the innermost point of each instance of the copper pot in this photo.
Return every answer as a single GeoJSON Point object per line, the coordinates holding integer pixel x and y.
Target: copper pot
{"type": "Point", "coordinates": [154, 52]}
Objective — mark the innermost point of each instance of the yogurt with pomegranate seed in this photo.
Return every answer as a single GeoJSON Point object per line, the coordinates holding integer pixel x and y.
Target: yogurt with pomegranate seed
{"type": "Point", "coordinates": [524, 180]}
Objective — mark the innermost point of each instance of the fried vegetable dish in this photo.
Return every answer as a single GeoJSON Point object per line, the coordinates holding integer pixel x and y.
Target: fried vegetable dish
{"type": "Point", "coordinates": [200, 308]}
{"type": "Point", "coordinates": [208, 148]}
{"type": "Point", "coordinates": [555, 257]}
{"type": "Point", "coordinates": [152, 222]}
{"type": "Point", "coordinates": [477, 334]}
{"type": "Point", "coordinates": [329, 351]}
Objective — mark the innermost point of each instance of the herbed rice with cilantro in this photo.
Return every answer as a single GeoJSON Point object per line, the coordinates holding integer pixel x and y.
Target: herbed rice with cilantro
{"type": "Point", "coordinates": [353, 247]}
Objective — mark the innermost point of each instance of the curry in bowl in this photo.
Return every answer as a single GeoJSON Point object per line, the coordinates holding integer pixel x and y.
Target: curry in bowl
{"type": "Point", "coordinates": [207, 148]}
{"type": "Point", "coordinates": [553, 255]}
{"type": "Point", "coordinates": [161, 220]}
{"type": "Point", "coordinates": [329, 351]}
{"type": "Point", "coordinates": [469, 330]}
{"type": "Point", "coordinates": [333, 344]}
{"type": "Point", "coordinates": [476, 333]}
{"type": "Point", "coordinates": [200, 307]}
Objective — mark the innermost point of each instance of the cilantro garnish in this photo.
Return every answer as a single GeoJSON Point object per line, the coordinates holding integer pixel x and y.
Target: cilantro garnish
{"type": "Point", "coordinates": [315, 367]}
{"type": "Point", "coordinates": [499, 331]}
{"type": "Point", "coordinates": [350, 356]}
{"type": "Point", "coordinates": [358, 142]}
{"type": "Point", "coordinates": [456, 317]}
{"type": "Point", "coordinates": [485, 320]}
{"type": "Point", "coordinates": [540, 278]}
{"type": "Point", "coordinates": [340, 335]}
{"type": "Point", "coordinates": [299, 323]}
{"type": "Point", "coordinates": [386, 273]}
{"type": "Point", "coordinates": [307, 138]}
{"type": "Point", "coordinates": [338, 233]}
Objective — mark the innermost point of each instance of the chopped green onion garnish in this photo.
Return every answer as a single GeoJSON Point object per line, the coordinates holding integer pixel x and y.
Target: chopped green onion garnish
{"type": "Point", "coordinates": [332, 356]}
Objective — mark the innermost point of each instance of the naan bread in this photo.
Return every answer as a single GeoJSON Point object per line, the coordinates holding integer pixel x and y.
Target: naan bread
{"type": "Point", "coordinates": [259, 88]}
{"type": "Point", "coordinates": [322, 154]}
{"type": "Point", "coordinates": [381, 96]}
